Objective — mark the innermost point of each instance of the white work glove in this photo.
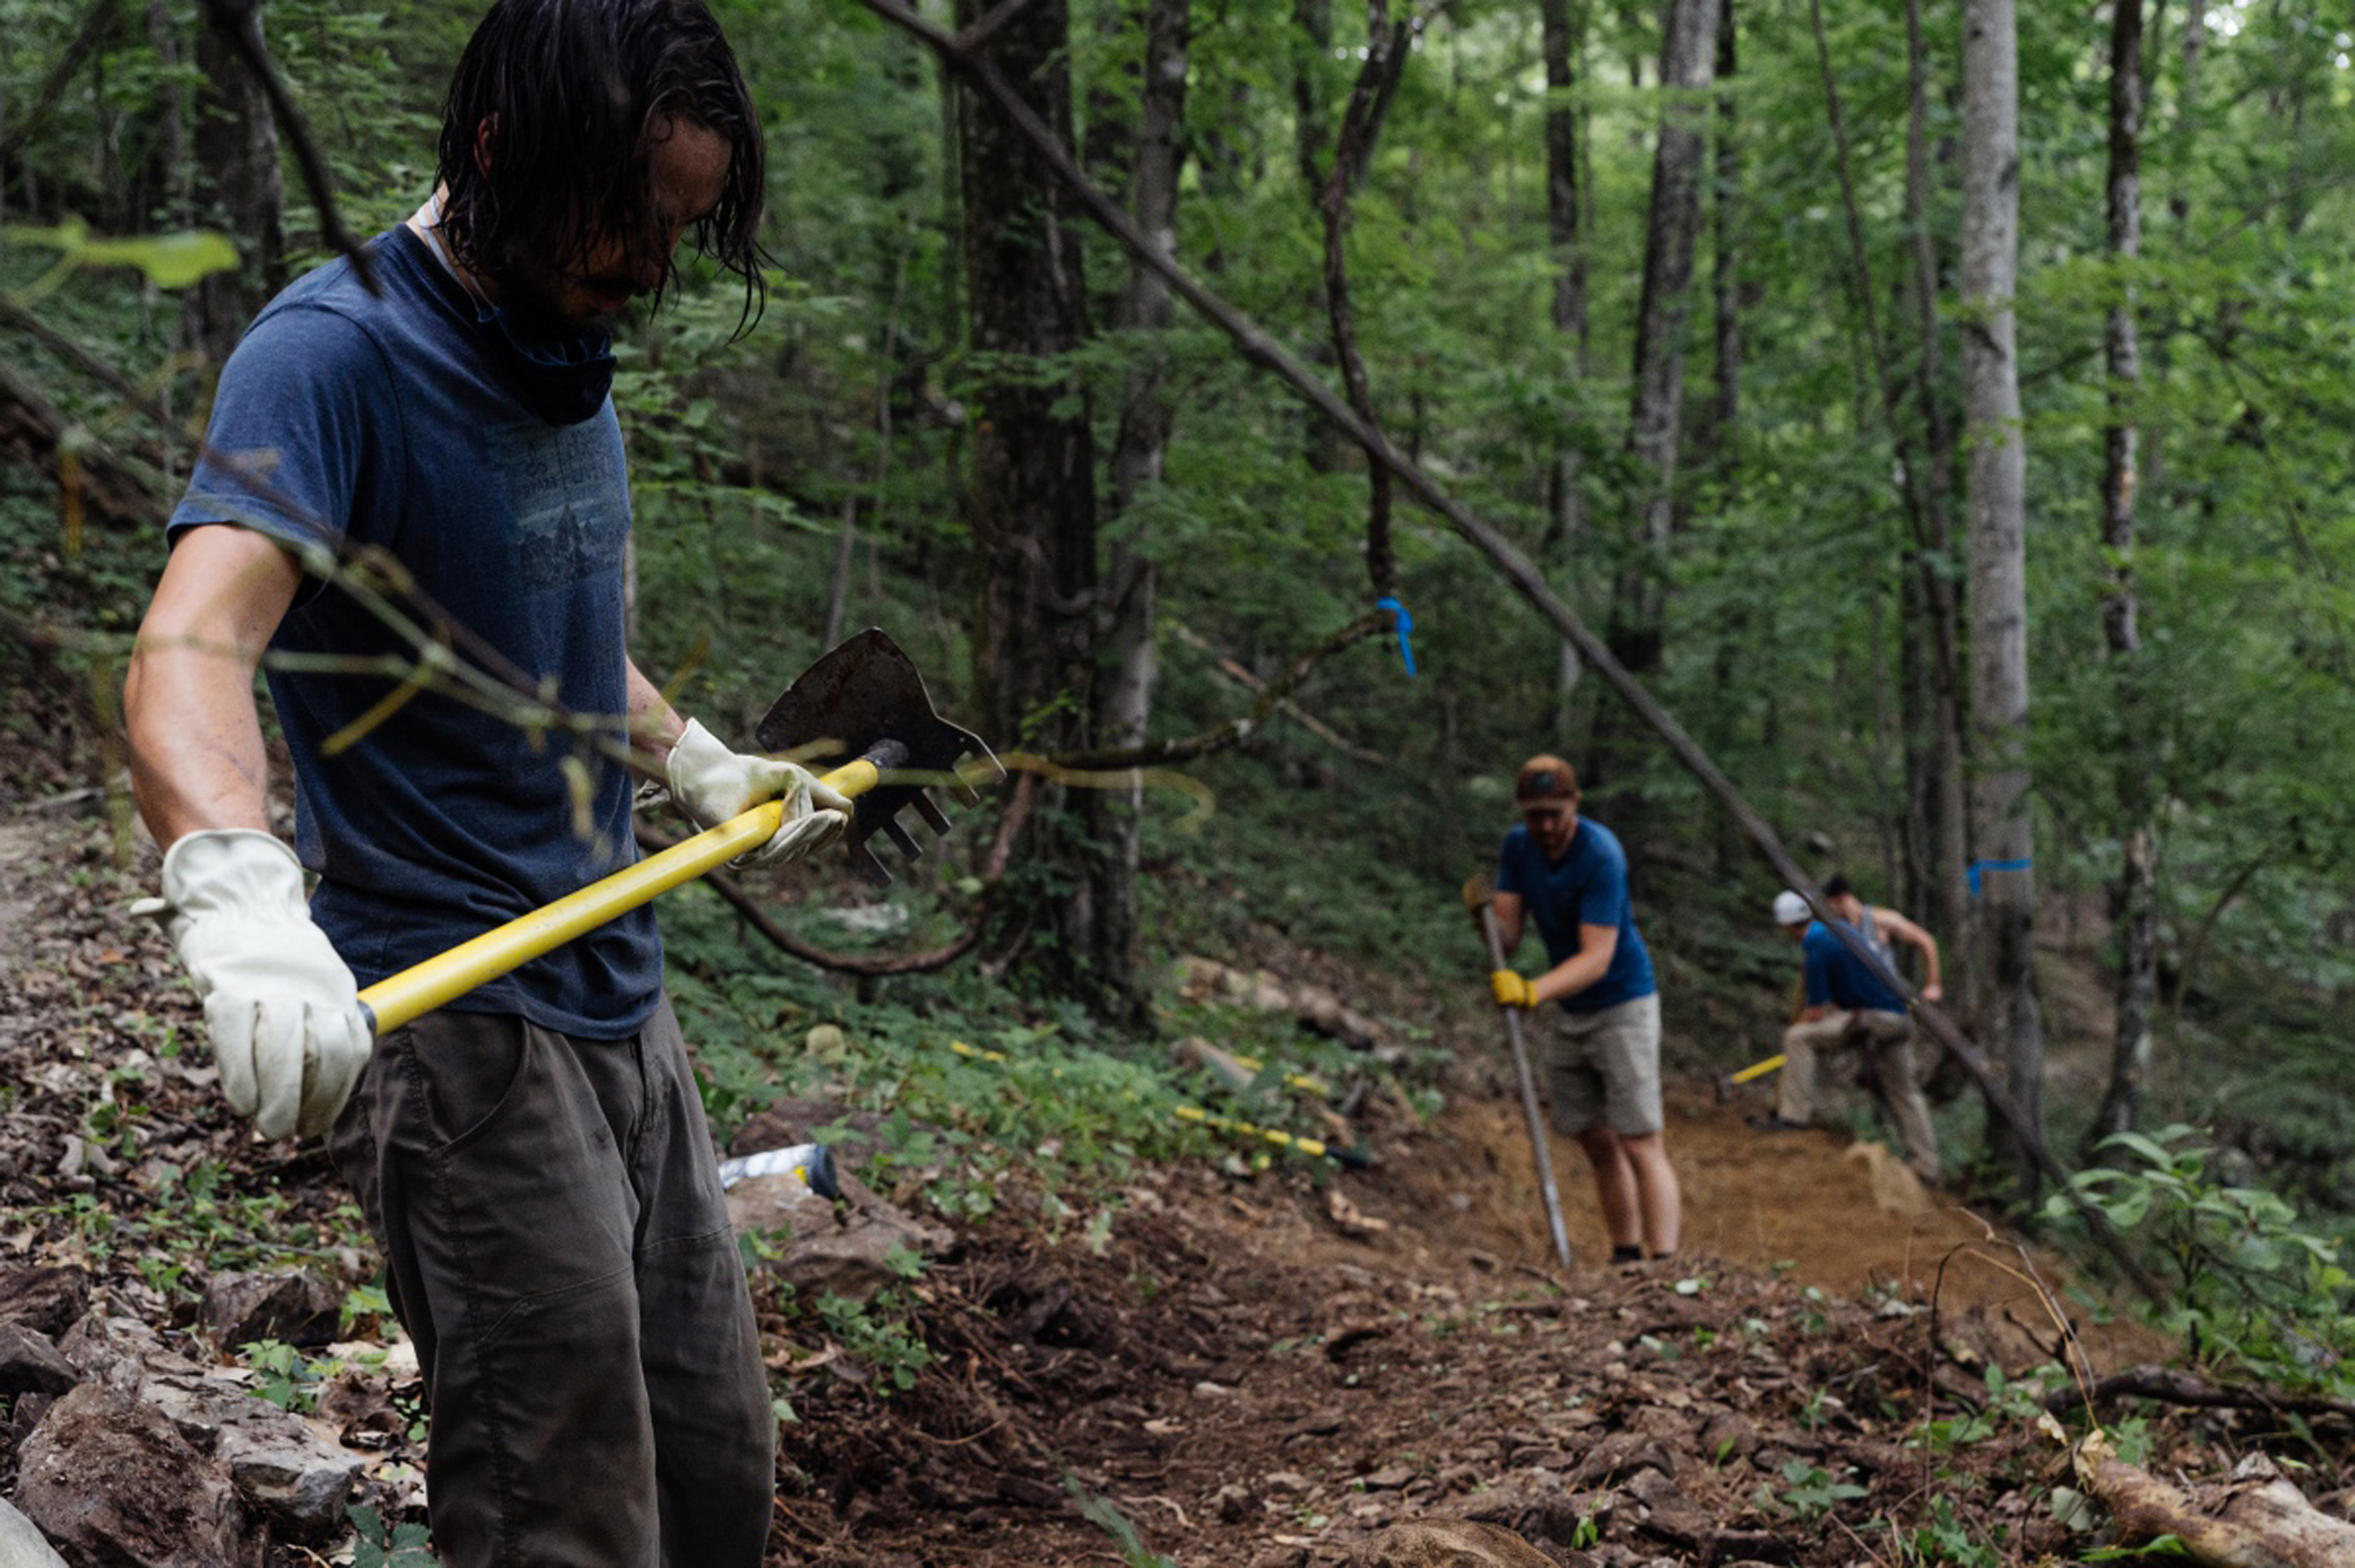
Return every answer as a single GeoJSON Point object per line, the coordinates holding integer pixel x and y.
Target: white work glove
{"type": "Point", "coordinates": [283, 1012]}
{"type": "Point", "coordinates": [710, 784]}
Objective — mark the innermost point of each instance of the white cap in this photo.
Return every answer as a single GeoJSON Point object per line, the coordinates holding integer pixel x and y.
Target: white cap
{"type": "Point", "coordinates": [1790, 910]}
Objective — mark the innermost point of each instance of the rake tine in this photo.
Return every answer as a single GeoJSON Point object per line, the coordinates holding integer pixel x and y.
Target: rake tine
{"type": "Point", "coordinates": [935, 818]}
{"type": "Point", "coordinates": [864, 860]}
{"type": "Point", "coordinates": [905, 840]}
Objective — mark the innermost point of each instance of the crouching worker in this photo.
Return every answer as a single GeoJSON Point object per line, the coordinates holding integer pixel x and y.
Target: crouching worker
{"type": "Point", "coordinates": [1846, 1003]}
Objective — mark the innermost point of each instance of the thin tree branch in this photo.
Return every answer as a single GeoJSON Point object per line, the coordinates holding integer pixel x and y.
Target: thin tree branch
{"type": "Point", "coordinates": [1234, 731]}
{"type": "Point", "coordinates": [1235, 672]}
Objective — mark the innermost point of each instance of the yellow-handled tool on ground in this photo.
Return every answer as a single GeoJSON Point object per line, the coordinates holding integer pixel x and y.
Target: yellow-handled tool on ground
{"type": "Point", "coordinates": [864, 701]}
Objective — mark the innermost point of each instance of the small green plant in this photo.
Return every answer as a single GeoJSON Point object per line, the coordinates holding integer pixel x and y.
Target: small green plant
{"type": "Point", "coordinates": [1809, 1491]}
{"type": "Point", "coordinates": [877, 1332]}
{"type": "Point", "coordinates": [402, 1546]}
{"type": "Point", "coordinates": [1102, 1513]}
{"type": "Point", "coordinates": [285, 1379]}
{"type": "Point", "coordinates": [1944, 1539]}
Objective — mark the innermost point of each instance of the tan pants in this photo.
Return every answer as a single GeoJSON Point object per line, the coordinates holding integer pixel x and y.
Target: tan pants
{"type": "Point", "coordinates": [1890, 1037]}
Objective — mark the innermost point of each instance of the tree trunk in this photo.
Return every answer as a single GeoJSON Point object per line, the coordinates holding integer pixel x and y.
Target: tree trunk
{"type": "Point", "coordinates": [239, 191]}
{"type": "Point", "coordinates": [1032, 502]}
{"type": "Point", "coordinates": [1740, 628]}
{"type": "Point", "coordinates": [1125, 702]}
{"type": "Point", "coordinates": [2002, 830]}
{"type": "Point", "coordinates": [1937, 841]}
{"type": "Point", "coordinates": [2134, 898]}
{"type": "Point", "coordinates": [1562, 41]}
{"type": "Point", "coordinates": [1563, 45]}
{"type": "Point", "coordinates": [1639, 592]}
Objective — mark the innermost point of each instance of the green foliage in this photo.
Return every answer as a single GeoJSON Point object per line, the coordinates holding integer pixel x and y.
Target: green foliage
{"type": "Point", "coordinates": [1944, 1538]}
{"type": "Point", "coordinates": [2257, 1292]}
{"type": "Point", "coordinates": [167, 261]}
{"type": "Point", "coordinates": [880, 1334]}
{"type": "Point", "coordinates": [285, 1376]}
{"type": "Point", "coordinates": [402, 1546]}
{"type": "Point", "coordinates": [1809, 1491]}
{"type": "Point", "coordinates": [1105, 1515]}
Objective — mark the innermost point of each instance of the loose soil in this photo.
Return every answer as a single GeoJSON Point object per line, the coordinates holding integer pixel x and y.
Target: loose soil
{"type": "Point", "coordinates": [1259, 1371]}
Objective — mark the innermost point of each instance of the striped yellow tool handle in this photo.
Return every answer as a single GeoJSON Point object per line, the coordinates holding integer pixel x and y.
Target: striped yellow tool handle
{"type": "Point", "coordinates": [419, 989]}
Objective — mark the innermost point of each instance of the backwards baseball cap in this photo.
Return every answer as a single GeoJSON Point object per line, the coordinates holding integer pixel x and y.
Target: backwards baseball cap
{"type": "Point", "coordinates": [1790, 910]}
{"type": "Point", "coordinates": [1546, 777]}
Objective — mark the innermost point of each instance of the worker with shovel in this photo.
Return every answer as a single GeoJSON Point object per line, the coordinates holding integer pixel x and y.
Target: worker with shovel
{"type": "Point", "coordinates": [1602, 1052]}
{"type": "Point", "coordinates": [533, 1158]}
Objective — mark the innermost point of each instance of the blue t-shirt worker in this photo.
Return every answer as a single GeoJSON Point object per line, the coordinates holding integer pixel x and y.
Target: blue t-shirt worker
{"type": "Point", "coordinates": [1846, 1003]}
{"type": "Point", "coordinates": [413, 493]}
{"type": "Point", "coordinates": [1602, 1044]}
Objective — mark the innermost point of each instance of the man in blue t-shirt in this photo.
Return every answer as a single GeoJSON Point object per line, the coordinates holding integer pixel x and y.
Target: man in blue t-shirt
{"type": "Point", "coordinates": [1846, 1001]}
{"type": "Point", "coordinates": [1601, 1047]}
{"type": "Point", "coordinates": [412, 494]}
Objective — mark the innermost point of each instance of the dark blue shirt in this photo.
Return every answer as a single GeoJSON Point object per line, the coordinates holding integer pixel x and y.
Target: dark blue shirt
{"type": "Point", "coordinates": [1838, 978]}
{"type": "Point", "coordinates": [346, 422]}
{"type": "Point", "coordinates": [1588, 886]}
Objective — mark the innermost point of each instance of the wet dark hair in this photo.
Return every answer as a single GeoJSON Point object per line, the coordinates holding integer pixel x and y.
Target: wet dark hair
{"type": "Point", "coordinates": [1837, 885]}
{"type": "Point", "coordinates": [572, 92]}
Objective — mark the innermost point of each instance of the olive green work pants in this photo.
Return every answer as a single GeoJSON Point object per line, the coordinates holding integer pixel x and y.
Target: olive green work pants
{"type": "Point", "coordinates": [556, 1244]}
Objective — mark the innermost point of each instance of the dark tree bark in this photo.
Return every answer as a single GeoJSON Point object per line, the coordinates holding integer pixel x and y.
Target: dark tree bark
{"type": "Point", "coordinates": [1031, 502]}
{"type": "Point", "coordinates": [1639, 591]}
{"type": "Point", "coordinates": [1388, 45]}
{"type": "Point", "coordinates": [1937, 825]}
{"type": "Point", "coordinates": [2003, 835]}
{"type": "Point", "coordinates": [2134, 899]}
{"type": "Point", "coordinates": [1741, 627]}
{"type": "Point", "coordinates": [1125, 702]}
{"type": "Point", "coordinates": [239, 191]}
{"type": "Point", "coordinates": [1562, 41]}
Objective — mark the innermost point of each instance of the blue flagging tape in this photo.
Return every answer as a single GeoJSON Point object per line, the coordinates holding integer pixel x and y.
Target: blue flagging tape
{"type": "Point", "coordinates": [1977, 866]}
{"type": "Point", "coordinates": [1405, 625]}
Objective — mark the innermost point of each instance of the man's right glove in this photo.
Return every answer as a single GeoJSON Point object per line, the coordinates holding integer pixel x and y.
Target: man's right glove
{"type": "Point", "coordinates": [710, 784]}
{"type": "Point", "coordinates": [1511, 990]}
{"type": "Point", "coordinates": [283, 1012]}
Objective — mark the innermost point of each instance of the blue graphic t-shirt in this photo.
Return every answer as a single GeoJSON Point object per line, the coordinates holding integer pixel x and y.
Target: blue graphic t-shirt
{"type": "Point", "coordinates": [1588, 886]}
{"type": "Point", "coordinates": [1838, 978]}
{"type": "Point", "coordinates": [390, 426]}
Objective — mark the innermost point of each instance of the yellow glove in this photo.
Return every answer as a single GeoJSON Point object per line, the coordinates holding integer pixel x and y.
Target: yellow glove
{"type": "Point", "coordinates": [1511, 990]}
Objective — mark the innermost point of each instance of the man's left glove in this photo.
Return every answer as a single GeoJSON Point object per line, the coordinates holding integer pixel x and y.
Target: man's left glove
{"type": "Point", "coordinates": [711, 784]}
{"type": "Point", "coordinates": [1511, 990]}
{"type": "Point", "coordinates": [282, 1011]}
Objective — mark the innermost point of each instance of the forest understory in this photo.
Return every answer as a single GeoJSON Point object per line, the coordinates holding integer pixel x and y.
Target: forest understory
{"type": "Point", "coordinates": [1301, 1366]}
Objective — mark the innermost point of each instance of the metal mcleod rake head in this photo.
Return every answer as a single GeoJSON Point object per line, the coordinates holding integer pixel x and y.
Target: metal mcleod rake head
{"type": "Point", "coordinates": [865, 702]}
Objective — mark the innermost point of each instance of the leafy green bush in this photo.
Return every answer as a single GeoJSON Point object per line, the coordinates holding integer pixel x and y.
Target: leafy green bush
{"type": "Point", "coordinates": [2255, 1291]}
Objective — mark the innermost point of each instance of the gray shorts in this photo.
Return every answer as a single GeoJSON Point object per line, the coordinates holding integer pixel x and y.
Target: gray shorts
{"type": "Point", "coordinates": [1603, 1068]}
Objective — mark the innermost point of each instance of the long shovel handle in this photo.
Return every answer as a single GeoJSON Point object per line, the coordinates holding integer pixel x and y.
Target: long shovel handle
{"type": "Point", "coordinates": [419, 989]}
{"type": "Point", "coordinates": [1536, 1119]}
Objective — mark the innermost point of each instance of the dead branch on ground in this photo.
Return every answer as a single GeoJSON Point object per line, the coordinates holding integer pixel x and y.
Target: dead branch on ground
{"type": "Point", "coordinates": [2256, 1521]}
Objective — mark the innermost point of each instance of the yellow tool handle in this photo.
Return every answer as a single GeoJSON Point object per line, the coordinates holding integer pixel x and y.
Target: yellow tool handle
{"type": "Point", "coordinates": [419, 989]}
